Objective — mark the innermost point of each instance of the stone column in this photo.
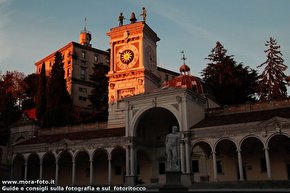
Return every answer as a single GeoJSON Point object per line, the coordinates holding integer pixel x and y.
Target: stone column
{"type": "Point", "coordinates": [240, 161]}
{"type": "Point", "coordinates": [40, 169]}
{"type": "Point", "coordinates": [91, 171]}
{"type": "Point", "coordinates": [56, 171]}
{"type": "Point", "coordinates": [109, 170]}
{"type": "Point", "coordinates": [267, 158]}
{"type": "Point", "coordinates": [182, 158]}
{"type": "Point", "coordinates": [132, 163]}
{"type": "Point", "coordinates": [187, 157]}
{"type": "Point", "coordinates": [73, 171]}
{"type": "Point", "coordinates": [214, 166]}
{"type": "Point", "coordinates": [25, 169]}
{"type": "Point", "coordinates": [127, 160]}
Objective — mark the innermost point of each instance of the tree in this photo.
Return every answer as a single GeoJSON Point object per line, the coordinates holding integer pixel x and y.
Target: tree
{"type": "Point", "coordinates": [59, 110]}
{"type": "Point", "coordinates": [41, 95]}
{"type": "Point", "coordinates": [57, 92]}
{"type": "Point", "coordinates": [30, 84]}
{"type": "Point", "coordinates": [11, 94]}
{"type": "Point", "coordinates": [231, 83]}
{"type": "Point", "coordinates": [99, 95]}
{"type": "Point", "coordinates": [272, 82]}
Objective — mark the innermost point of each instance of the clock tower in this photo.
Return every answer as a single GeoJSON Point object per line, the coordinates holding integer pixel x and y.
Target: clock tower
{"type": "Point", "coordinates": [133, 67]}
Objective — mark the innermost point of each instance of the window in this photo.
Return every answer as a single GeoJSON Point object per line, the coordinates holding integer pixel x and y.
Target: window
{"type": "Point", "coordinates": [96, 58]}
{"type": "Point", "coordinates": [81, 98]}
{"type": "Point", "coordinates": [161, 167]}
{"type": "Point", "coordinates": [263, 165]}
{"type": "Point", "coordinates": [83, 74]}
{"type": "Point", "coordinates": [68, 72]}
{"type": "Point", "coordinates": [49, 64]}
{"type": "Point", "coordinates": [219, 167]}
{"type": "Point", "coordinates": [83, 54]}
{"type": "Point", "coordinates": [118, 170]}
{"type": "Point", "coordinates": [195, 166]}
{"type": "Point", "coordinates": [83, 90]}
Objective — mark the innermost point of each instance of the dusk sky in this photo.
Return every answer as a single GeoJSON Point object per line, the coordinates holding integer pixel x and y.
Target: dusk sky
{"type": "Point", "coordinates": [32, 29]}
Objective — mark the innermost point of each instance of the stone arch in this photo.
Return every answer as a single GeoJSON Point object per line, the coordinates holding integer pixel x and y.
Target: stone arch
{"type": "Point", "coordinates": [224, 138]}
{"type": "Point", "coordinates": [138, 116]}
{"type": "Point", "coordinates": [225, 150]}
{"type": "Point", "coordinates": [253, 155]}
{"type": "Point", "coordinates": [250, 136]}
{"type": "Point", "coordinates": [18, 167]}
{"type": "Point", "coordinates": [65, 168]}
{"type": "Point", "coordinates": [278, 146]}
{"type": "Point", "coordinates": [100, 166]}
{"type": "Point", "coordinates": [201, 160]}
{"type": "Point", "coordinates": [273, 135]}
{"type": "Point", "coordinates": [33, 166]}
{"type": "Point", "coordinates": [118, 163]}
{"type": "Point", "coordinates": [82, 167]}
{"type": "Point", "coordinates": [154, 124]}
{"type": "Point", "coordinates": [200, 141]}
{"type": "Point", "coordinates": [80, 151]}
{"type": "Point", "coordinates": [48, 166]}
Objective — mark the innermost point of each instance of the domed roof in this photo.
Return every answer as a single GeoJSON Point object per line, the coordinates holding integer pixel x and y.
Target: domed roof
{"type": "Point", "coordinates": [184, 68]}
{"type": "Point", "coordinates": [185, 80]}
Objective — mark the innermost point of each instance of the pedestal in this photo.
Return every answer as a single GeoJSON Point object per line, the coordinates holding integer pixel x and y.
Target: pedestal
{"type": "Point", "coordinates": [173, 182]}
{"type": "Point", "coordinates": [130, 180]}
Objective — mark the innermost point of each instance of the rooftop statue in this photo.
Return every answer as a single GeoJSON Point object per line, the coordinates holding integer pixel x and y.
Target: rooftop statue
{"type": "Point", "coordinates": [133, 18]}
{"type": "Point", "coordinates": [144, 14]}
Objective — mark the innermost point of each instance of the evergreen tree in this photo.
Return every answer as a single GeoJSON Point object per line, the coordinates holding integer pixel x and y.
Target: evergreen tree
{"type": "Point", "coordinates": [41, 95]}
{"type": "Point", "coordinates": [57, 92]}
{"type": "Point", "coordinates": [30, 83]}
{"type": "Point", "coordinates": [272, 82]}
{"type": "Point", "coordinates": [99, 95]}
{"type": "Point", "coordinates": [231, 83]}
{"type": "Point", "coordinates": [59, 110]}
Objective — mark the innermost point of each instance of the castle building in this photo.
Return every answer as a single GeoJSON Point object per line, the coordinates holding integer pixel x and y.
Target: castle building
{"type": "Point", "coordinates": [79, 60]}
{"type": "Point", "coordinates": [248, 142]}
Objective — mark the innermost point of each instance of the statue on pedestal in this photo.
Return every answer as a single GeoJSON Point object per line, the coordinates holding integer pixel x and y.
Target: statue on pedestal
{"type": "Point", "coordinates": [172, 142]}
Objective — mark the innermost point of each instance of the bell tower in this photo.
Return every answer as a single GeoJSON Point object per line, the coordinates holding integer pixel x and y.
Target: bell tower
{"type": "Point", "coordinates": [133, 66]}
{"type": "Point", "coordinates": [85, 36]}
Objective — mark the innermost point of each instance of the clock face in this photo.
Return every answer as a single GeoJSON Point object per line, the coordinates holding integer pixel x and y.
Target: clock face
{"type": "Point", "coordinates": [127, 56]}
{"type": "Point", "coordinates": [149, 58]}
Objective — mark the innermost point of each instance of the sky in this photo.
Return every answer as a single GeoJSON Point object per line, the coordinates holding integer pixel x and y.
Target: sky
{"type": "Point", "coordinates": [33, 29]}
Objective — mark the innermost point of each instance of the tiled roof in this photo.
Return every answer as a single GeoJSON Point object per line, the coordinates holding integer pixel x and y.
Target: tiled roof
{"type": "Point", "coordinates": [104, 133]}
{"type": "Point", "coordinates": [217, 120]}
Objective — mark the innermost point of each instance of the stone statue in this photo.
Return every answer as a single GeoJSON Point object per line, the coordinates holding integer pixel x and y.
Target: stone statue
{"type": "Point", "coordinates": [172, 142]}
{"type": "Point", "coordinates": [144, 14]}
{"type": "Point", "coordinates": [121, 18]}
{"type": "Point", "coordinates": [133, 18]}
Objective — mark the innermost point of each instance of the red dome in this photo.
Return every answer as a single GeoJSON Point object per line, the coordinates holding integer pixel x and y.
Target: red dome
{"type": "Point", "coordinates": [184, 68]}
{"type": "Point", "coordinates": [186, 81]}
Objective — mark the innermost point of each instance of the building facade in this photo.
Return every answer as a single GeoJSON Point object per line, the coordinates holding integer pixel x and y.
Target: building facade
{"type": "Point", "coordinates": [79, 60]}
{"type": "Point", "coordinates": [249, 142]}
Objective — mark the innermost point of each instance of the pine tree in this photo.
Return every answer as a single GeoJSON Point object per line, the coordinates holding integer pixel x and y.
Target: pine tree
{"type": "Point", "coordinates": [99, 95]}
{"type": "Point", "coordinates": [57, 92]}
{"type": "Point", "coordinates": [272, 82]}
{"type": "Point", "coordinates": [231, 83]}
{"type": "Point", "coordinates": [59, 110]}
{"type": "Point", "coordinates": [41, 94]}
